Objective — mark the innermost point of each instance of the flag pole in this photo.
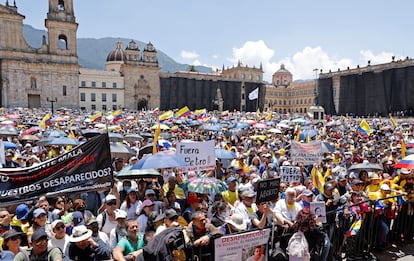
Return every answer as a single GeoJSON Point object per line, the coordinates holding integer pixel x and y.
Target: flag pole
{"type": "Point", "coordinates": [257, 102]}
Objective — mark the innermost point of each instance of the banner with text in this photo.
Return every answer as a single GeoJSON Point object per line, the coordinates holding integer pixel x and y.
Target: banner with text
{"type": "Point", "coordinates": [197, 155]}
{"type": "Point", "coordinates": [267, 190]}
{"type": "Point", "coordinates": [308, 153]}
{"type": "Point", "coordinates": [85, 168]}
{"type": "Point", "coordinates": [290, 174]}
{"type": "Point", "coordinates": [244, 246]}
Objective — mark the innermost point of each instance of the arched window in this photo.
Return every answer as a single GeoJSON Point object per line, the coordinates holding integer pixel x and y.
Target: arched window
{"type": "Point", "coordinates": [63, 42]}
{"type": "Point", "coordinates": [61, 5]}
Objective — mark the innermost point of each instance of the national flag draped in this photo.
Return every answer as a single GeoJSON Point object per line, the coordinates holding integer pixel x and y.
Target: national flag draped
{"type": "Point", "coordinates": [117, 115]}
{"type": "Point", "coordinates": [96, 117]}
{"type": "Point", "coordinates": [253, 95]}
{"type": "Point", "coordinates": [183, 112]}
{"type": "Point", "coordinates": [364, 129]}
{"type": "Point", "coordinates": [45, 121]}
{"type": "Point", "coordinates": [225, 113]}
{"type": "Point", "coordinates": [166, 115]}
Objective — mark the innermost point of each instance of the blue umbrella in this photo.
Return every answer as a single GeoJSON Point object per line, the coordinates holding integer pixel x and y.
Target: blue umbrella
{"type": "Point", "coordinates": [215, 127]}
{"type": "Point", "coordinates": [128, 173]}
{"type": "Point", "coordinates": [159, 161]}
{"type": "Point", "coordinates": [9, 145]}
{"type": "Point", "coordinates": [62, 141]}
{"type": "Point", "coordinates": [241, 125]}
{"type": "Point", "coordinates": [305, 133]}
{"type": "Point", "coordinates": [225, 154]}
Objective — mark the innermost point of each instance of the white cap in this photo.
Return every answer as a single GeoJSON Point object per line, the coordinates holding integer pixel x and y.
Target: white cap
{"type": "Point", "coordinates": [385, 187]}
{"type": "Point", "coordinates": [110, 197]}
{"type": "Point", "coordinates": [120, 214]}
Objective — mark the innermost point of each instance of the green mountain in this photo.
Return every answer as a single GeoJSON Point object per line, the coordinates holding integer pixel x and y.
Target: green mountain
{"type": "Point", "coordinates": [92, 52]}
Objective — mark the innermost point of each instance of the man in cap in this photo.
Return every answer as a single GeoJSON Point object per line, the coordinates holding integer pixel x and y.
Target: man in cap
{"type": "Point", "coordinates": [193, 202]}
{"type": "Point", "coordinates": [39, 250]}
{"type": "Point", "coordinates": [230, 195]}
{"type": "Point", "coordinates": [106, 219]}
{"type": "Point", "coordinates": [247, 208]}
{"type": "Point", "coordinates": [99, 237]}
{"type": "Point", "coordinates": [172, 185]}
{"type": "Point", "coordinates": [83, 247]}
{"type": "Point", "coordinates": [170, 218]}
{"type": "Point", "coordinates": [400, 180]}
{"type": "Point", "coordinates": [9, 162]}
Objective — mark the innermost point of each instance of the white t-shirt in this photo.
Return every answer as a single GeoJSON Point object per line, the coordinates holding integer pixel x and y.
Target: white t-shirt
{"type": "Point", "coordinates": [132, 211]}
{"type": "Point", "coordinates": [108, 226]}
{"type": "Point", "coordinates": [60, 243]}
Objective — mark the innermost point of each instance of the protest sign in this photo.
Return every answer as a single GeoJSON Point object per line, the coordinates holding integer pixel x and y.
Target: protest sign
{"type": "Point", "coordinates": [308, 153]}
{"type": "Point", "coordinates": [267, 190]}
{"type": "Point", "coordinates": [290, 174]}
{"type": "Point", "coordinates": [85, 168]}
{"type": "Point", "coordinates": [320, 210]}
{"type": "Point", "coordinates": [197, 155]}
{"type": "Point", "coordinates": [240, 247]}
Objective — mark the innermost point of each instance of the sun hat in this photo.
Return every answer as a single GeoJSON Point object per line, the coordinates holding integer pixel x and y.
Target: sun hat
{"type": "Point", "coordinates": [307, 193]}
{"type": "Point", "coordinates": [91, 220]}
{"type": "Point", "coordinates": [385, 187]}
{"type": "Point", "coordinates": [237, 221]}
{"type": "Point", "coordinates": [405, 171]}
{"type": "Point", "coordinates": [11, 233]}
{"type": "Point", "coordinates": [80, 233]}
{"type": "Point", "coordinates": [248, 194]}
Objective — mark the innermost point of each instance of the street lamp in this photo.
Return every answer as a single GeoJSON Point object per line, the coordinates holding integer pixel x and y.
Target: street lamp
{"type": "Point", "coordinates": [52, 101]}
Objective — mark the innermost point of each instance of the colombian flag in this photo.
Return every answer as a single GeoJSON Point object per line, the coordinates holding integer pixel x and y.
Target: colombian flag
{"type": "Point", "coordinates": [225, 113]}
{"type": "Point", "coordinates": [166, 115]}
{"type": "Point", "coordinates": [45, 121]}
{"type": "Point", "coordinates": [202, 113]}
{"type": "Point", "coordinates": [364, 129]}
{"type": "Point", "coordinates": [117, 115]}
{"type": "Point", "coordinates": [96, 117]}
{"type": "Point", "coordinates": [156, 110]}
{"type": "Point", "coordinates": [183, 112]}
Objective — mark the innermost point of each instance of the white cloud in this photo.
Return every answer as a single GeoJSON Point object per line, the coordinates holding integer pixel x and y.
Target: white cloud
{"type": "Point", "coordinates": [383, 57]}
{"type": "Point", "coordinates": [189, 54]}
{"type": "Point", "coordinates": [196, 63]}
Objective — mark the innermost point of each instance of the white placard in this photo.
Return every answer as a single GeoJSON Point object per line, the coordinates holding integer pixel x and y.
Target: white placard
{"type": "Point", "coordinates": [290, 174]}
{"type": "Point", "coordinates": [243, 246]}
{"type": "Point", "coordinates": [197, 155]}
{"type": "Point", "coordinates": [320, 210]}
{"type": "Point", "coordinates": [307, 153]}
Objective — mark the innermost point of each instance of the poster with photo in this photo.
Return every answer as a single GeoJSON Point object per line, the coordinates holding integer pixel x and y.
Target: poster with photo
{"type": "Point", "coordinates": [320, 211]}
{"type": "Point", "coordinates": [246, 246]}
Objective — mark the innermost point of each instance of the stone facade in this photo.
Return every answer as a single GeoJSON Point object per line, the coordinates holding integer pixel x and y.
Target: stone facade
{"type": "Point", "coordinates": [31, 77]}
{"type": "Point", "coordinates": [287, 96]}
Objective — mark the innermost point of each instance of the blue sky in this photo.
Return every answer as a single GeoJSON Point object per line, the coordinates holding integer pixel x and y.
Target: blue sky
{"type": "Point", "coordinates": [301, 34]}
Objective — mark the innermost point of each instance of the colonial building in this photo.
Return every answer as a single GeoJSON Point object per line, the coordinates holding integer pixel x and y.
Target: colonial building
{"type": "Point", "coordinates": [286, 96]}
{"type": "Point", "coordinates": [31, 77]}
{"type": "Point", "coordinates": [130, 80]}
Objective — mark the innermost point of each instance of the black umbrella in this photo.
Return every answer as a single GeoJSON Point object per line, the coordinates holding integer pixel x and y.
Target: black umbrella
{"type": "Point", "coordinates": [147, 149]}
{"type": "Point", "coordinates": [128, 173]}
{"type": "Point", "coordinates": [365, 166]}
{"type": "Point", "coordinates": [132, 137]}
{"type": "Point", "coordinates": [89, 133]}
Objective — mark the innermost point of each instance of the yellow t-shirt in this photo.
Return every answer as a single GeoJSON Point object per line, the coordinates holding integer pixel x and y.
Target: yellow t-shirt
{"type": "Point", "coordinates": [230, 196]}
{"type": "Point", "coordinates": [179, 192]}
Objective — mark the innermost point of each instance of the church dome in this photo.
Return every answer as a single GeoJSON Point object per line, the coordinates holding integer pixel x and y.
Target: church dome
{"type": "Point", "coordinates": [117, 55]}
{"type": "Point", "coordinates": [282, 69]}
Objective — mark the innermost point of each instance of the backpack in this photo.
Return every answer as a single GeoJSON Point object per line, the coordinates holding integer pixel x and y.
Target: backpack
{"type": "Point", "coordinates": [161, 247]}
{"type": "Point", "coordinates": [103, 219]}
{"type": "Point", "coordinates": [298, 247]}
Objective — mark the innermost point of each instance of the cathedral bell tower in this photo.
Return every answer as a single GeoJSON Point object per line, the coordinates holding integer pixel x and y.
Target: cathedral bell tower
{"type": "Point", "coordinates": [62, 28]}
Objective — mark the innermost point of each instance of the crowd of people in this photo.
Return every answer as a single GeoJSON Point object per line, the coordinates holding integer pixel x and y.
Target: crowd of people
{"type": "Point", "coordinates": [121, 223]}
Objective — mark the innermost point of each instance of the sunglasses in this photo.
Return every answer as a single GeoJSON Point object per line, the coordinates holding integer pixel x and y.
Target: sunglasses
{"type": "Point", "coordinates": [3, 216]}
{"type": "Point", "coordinates": [111, 203]}
{"type": "Point", "coordinates": [60, 201]}
{"type": "Point", "coordinates": [41, 241]}
{"type": "Point", "coordinates": [14, 238]}
{"type": "Point", "coordinates": [59, 227]}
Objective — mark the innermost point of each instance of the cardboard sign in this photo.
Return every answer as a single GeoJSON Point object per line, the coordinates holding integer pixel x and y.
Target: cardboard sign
{"type": "Point", "coordinates": [320, 210]}
{"type": "Point", "coordinates": [197, 155]}
{"type": "Point", "coordinates": [267, 190]}
{"type": "Point", "coordinates": [290, 174]}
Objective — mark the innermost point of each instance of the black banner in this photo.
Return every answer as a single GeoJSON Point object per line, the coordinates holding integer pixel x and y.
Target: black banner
{"type": "Point", "coordinates": [267, 190]}
{"type": "Point", "coordinates": [87, 167]}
